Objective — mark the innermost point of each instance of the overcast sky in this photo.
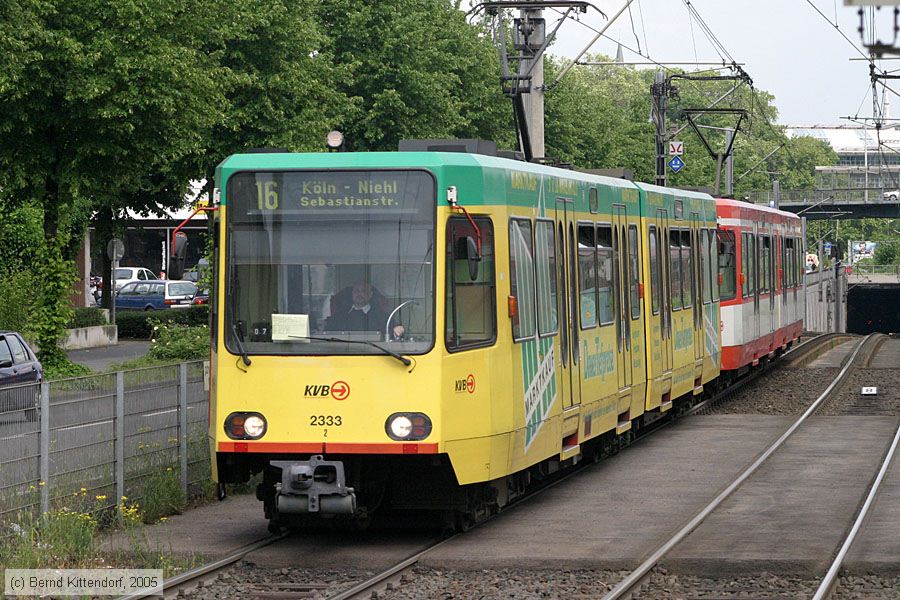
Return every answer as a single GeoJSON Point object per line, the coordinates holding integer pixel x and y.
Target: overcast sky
{"type": "Point", "coordinates": [788, 49]}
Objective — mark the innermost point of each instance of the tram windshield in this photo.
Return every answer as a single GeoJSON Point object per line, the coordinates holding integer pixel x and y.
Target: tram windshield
{"type": "Point", "coordinates": [330, 262]}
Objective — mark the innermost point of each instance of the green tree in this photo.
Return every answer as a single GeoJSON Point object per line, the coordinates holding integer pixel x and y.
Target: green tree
{"type": "Point", "coordinates": [282, 85]}
{"type": "Point", "coordinates": [419, 71]}
{"type": "Point", "coordinates": [886, 253]}
{"type": "Point", "coordinates": [597, 118]}
{"type": "Point", "coordinates": [95, 96]}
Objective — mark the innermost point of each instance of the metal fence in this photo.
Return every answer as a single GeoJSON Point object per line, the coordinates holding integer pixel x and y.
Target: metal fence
{"type": "Point", "coordinates": [825, 196]}
{"type": "Point", "coordinates": [86, 442]}
{"type": "Point", "coordinates": [860, 270]}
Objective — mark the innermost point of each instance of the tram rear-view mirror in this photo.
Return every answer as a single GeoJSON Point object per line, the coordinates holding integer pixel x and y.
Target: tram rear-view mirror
{"type": "Point", "coordinates": [472, 258]}
{"type": "Point", "coordinates": [179, 251]}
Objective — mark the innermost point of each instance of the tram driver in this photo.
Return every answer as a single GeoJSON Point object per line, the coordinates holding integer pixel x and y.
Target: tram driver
{"type": "Point", "coordinates": [361, 310]}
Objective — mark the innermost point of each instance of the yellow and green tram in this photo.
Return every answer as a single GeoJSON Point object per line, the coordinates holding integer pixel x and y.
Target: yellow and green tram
{"type": "Point", "coordinates": [433, 330]}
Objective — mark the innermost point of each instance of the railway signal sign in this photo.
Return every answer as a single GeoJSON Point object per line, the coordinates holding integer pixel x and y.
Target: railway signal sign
{"type": "Point", "coordinates": [676, 148]}
{"type": "Point", "coordinates": [676, 164]}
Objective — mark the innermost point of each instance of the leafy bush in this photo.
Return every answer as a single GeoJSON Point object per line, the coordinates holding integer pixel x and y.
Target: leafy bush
{"type": "Point", "coordinates": [19, 302]}
{"type": "Point", "coordinates": [138, 324]}
{"type": "Point", "coordinates": [60, 367]}
{"type": "Point", "coordinates": [90, 316]}
{"type": "Point", "coordinates": [179, 342]}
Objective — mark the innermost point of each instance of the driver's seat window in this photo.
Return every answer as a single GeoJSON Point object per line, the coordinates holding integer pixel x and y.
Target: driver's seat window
{"type": "Point", "coordinates": [471, 319]}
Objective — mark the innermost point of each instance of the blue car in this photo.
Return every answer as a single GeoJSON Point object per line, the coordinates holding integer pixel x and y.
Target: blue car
{"type": "Point", "coordinates": [155, 295]}
{"type": "Point", "coordinates": [20, 376]}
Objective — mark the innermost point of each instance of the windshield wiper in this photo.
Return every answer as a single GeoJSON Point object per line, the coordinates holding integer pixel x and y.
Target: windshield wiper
{"type": "Point", "coordinates": [399, 357]}
{"type": "Point", "coordinates": [237, 338]}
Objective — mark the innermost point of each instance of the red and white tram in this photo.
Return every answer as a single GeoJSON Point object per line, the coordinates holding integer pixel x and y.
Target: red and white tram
{"type": "Point", "coordinates": [761, 262]}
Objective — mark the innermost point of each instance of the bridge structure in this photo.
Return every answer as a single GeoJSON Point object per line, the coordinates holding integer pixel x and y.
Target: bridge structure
{"type": "Point", "coordinates": [835, 203]}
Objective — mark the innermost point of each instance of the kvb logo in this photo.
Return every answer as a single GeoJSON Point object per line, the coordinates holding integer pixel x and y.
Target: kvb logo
{"type": "Point", "coordinates": [339, 390]}
{"type": "Point", "coordinates": [465, 385]}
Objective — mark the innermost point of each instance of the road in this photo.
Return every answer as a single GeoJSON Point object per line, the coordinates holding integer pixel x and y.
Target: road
{"type": "Point", "coordinates": [99, 359]}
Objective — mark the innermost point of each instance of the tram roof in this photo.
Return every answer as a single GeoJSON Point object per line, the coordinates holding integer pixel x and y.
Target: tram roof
{"type": "Point", "coordinates": [382, 160]}
{"type": "Point", "coordinates": [452, 164]}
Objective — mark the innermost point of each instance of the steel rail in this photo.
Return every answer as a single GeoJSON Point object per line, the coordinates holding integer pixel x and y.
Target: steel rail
{"type": "Point", "coordinates": [627, 585]}
{"type": "Point", "coordinates": [199, 572]}
{"type": "Point", "coordinates": [364, 590]}
{"type": "Point", "coordinates": [798, 352]}
{"type": "Point", "coordinates": [831, 577]}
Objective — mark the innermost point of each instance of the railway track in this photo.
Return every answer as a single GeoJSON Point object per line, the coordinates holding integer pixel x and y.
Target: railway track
{"type": "Point", "coordinates": [798, 355]}
{"type": "Point", "coordinates": [648, 580]}
{"type": "Point", "coordinates": [400, 574]}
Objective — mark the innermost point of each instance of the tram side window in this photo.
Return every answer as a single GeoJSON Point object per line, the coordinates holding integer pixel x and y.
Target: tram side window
{"type": "Point", "coordinates": [605, 294]}
{"type": "Point", "coordinates": [471, 305]}
{"type": "Point", "coordinates": [795, 264]}
{"type": "Point", "coordinates": [765, 271]}
{"type": "Point", "coordinates": [754, 262]}
{"type": "Point", "coordinates": [634, 271]}
{"type": "Point", "coordinates": [790, 261]}
{"type": "Point", "coordinates": [784, 271]}
{"type": "Point", "coordinates": [687, 269]}
{"type": "Point", "coordinates": [675, 268]}
{"type": "Point", "coordinates": [545, 270]}
{"type": "Point", "coordinates": [706, 271]}
{"type": "Point", "coordinates": [745, 265]}
{"type": "Point", "coordinates": [727, 277]}
{"type": "Point", "coordinates": [587, 275]}
{"type": "Point", "coordinates": [713, 266]}
{"type": "Point", "coordinates": [521, 279]}
{"type": "Point", "coordinates": [654, 270]}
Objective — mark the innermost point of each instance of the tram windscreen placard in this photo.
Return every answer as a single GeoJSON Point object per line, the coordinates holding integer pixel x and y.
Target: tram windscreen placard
{"type": "Point", "coordinates": [288, 195]}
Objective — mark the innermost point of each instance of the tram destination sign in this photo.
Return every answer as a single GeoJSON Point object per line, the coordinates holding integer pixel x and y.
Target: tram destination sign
{"type": "Point", "coordinates": [302, 192]}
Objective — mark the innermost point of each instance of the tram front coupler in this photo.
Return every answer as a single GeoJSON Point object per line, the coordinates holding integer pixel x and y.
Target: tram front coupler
{"type": "Point", "coordinates": [313, 486]}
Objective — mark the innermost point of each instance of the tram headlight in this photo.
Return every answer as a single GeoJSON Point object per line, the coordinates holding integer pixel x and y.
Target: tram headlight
{"type": "Point", "coordinates": [254, 426]}
{"type": "Point", "coordinates": [408, 426]}
{"type": "Point", "coordinates": [245, 426]}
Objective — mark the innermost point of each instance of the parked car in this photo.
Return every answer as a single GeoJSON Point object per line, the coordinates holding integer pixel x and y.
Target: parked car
{"type": "Point", "coordinates": [201, 297]}
{"type": "Point", "coordinates": [19, 367]}
{"type": "Point", "coordinates": [196, 272]}
{"type": "Point", "coordinates": [126, 275]}
{"type": "Point", "coordinates": [155, 295]}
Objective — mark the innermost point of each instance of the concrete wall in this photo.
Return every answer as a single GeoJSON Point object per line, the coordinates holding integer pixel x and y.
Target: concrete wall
{"type": "Point", "coordinates": [826, 301]}
{"type": "Point", "coordinates": [90, 337]}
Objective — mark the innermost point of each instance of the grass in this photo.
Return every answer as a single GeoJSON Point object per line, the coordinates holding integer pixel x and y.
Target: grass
{"type": "Point", "coordinates": [69, 537]}
{"type": "Point", "coordinates": [162, 495]}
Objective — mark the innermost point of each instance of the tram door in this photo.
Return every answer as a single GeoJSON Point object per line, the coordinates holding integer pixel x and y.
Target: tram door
{"type": "Point", "coordinates": [697, 284]}
{"type": "Point", "coordinates": [665, 290]}
{"type": "Point", "coordinates": [623, 308]}
{"type": "Point", "coordinates": [567, 283]}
